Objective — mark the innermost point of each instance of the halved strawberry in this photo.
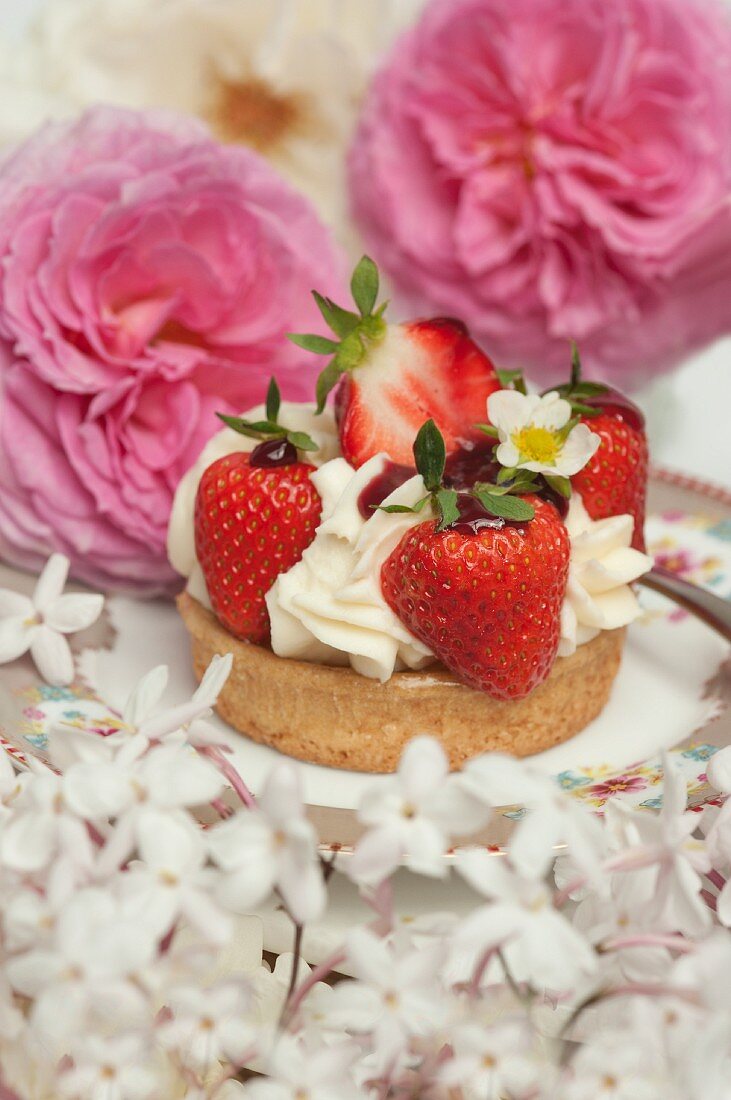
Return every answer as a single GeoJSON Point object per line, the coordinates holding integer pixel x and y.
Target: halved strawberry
{"type": "Point", "coordinates": [391, 378]}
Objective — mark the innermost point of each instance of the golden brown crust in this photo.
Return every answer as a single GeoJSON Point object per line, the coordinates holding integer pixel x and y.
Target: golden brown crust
{"type": "Point", "coordinates": [336, 717]}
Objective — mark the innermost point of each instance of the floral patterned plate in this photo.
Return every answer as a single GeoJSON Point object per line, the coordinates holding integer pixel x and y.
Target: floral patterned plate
{"type": "Point", "coordinates": [672, 691]}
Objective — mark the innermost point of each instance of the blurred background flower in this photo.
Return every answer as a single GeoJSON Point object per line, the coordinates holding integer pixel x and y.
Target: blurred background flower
{"type": "Point", "coordinates": [556, 169]}
{"type": "Point", "coordinates": [285, 77]}
{"type": "Point", "coordinates": [148, 276]}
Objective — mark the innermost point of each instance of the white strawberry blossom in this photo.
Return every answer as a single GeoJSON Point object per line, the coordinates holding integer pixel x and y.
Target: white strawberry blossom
{"type": "Point", "coordinates": [40, 623]}
{"type": "Point", "coordinates": [535, 433]}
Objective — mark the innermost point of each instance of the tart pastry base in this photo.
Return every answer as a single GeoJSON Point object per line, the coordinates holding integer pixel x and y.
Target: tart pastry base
{"type": "Point", "coordinates": [335, 716]}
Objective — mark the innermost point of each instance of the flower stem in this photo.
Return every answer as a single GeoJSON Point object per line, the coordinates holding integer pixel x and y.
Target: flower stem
{"type": "Point", "coordinates": [296, 956]}
{"type": "Point", "coordinates": [229, 772]}
{"type": "Point", "coordinates": [709, 899]}
{"type": "Point", "coordinates": [483, 962]}
{"type": "Point", "coordinates": [325, 967]}
{"type": "Point", "coordinates": [716, 878]}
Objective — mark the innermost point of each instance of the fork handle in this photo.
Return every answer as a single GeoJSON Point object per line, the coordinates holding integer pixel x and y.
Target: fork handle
{"type": "Point", "coordinates": [705, 605]}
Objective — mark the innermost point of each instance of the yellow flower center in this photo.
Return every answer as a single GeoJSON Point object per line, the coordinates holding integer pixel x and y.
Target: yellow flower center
{"type": "Point", "coordinates": [538, 445]}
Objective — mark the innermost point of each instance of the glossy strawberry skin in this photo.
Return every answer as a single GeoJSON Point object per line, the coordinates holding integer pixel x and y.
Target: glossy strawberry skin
{"type": "Point", "coordinates": [251, 524]}
{"type": "Point", "coordinates": [488, 604]}
{"type": "Point", "coordinates": [424, 369]}
{"type": "Point", "coordinates": [614, 482]}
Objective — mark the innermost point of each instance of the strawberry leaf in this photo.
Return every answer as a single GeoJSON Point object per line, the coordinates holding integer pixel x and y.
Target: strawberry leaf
{"type": "Point", "coordinates": [302, 441]}
{"type": "Point", "coordinates": [364, 285]}
{"type": "Point", "coordinates": [446, 505]}
{"type": "Point", "coordinates": [327, 380]}
{"type": "Point", "coordinates": [400, 508]}
{"type": "Point", "coordinates": [588, 389]}
{"type": "Point", "coordinates": [575, 365]}
{"type": "Point", "coordinates": [506, 473]}
{"type": "Point", "coordinates": [320, 345]}
{"type": "Point", "coordinates": [254, 429]}
{"type": "Point", "coordinates": [584, 410]}
{"type": "Point", "coordinates": [560, 485]}
{"type": "Point", "coordinates": [340, 320]}
{"type": "Point", "coordinates": [511, 379]}
{"type": "Point", "coordinates": [273, 401]}
{"type": "Point", "coordinates": [507, 507]}
{"type": "Point", "coordinates": [430, 455]}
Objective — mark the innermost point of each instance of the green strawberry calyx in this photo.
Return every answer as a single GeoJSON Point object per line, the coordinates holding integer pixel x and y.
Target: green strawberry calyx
{"type": "Point", "coordinates": [501, 499]}
{"type": "Point", "coordinates": [356, 333]}
{"type": "Point", "coordinates": [577, 391]}
{"type": "Point", "coordinates": [270, 428]}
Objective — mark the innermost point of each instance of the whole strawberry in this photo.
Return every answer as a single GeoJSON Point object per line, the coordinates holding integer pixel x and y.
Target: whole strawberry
{"type": "Point", "coordinates": [390, 378]}
{"type": "Point", "coordinates": [614, 481]}
{"type": "Point", "coordinates": [483, 585]}
{"type": "Point", "coordinates": [255, 514]}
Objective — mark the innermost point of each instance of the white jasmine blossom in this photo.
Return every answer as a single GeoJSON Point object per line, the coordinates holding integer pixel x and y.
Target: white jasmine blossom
{"type": "Point", "coordinates": [134, 782]}
{"type": "Point", "coordinates": [536, 433]}
{"type": "Point", "coordinates": [553, 820]}
{"type": "Point", "coordinates": [394, 997]}
{"type": "Point", "coordinates": [40, 623]}
{"type": "Point", "coordinates": [45, 829]}
{"type": "Point", "coordinates": [617, 1067]}
{"type": "Point", "coordinates": [125, 973]}
{"type": "Point", "coordinates": [295, 1071]}
{"type": "Point", "coordinates": [209, 1025]}
{"type": "Point", "coordinates": [114, 1068]}
{"type": "Point", "coordinates": [520, 921]}
{"type": "Point", "coordinates": [170, 881]}
{"type": "Point", "coordinates": [95, 952]}
{"type": "Point", "coordinates": [272, 846]}
{"type": "Point", "coordinates": [678, 856]}
{"type": "Point", "coordinates": [412, 816]}
{"type": "Point", "coordinates": [493, 1061]}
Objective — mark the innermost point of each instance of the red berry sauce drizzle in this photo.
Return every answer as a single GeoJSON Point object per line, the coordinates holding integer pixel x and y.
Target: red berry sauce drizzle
{"type": "Point", "coordinates": [381, 486]}
{"type": "Point", "coordinates": [463, 468]}
{"type": "Point", "coordinates": [273, 452]}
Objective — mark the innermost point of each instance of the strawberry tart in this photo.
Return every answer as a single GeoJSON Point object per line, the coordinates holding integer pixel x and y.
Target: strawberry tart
{"type": "Point", "coordinates": [444, 551]}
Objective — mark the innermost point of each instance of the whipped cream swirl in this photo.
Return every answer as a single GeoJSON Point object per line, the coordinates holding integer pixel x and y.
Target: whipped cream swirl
{"type": "Point", "coordinates": [181, 530]}
{"type": "Point", "coordinates": [602, 567]}
{"type": "Point", "coordinates": [329, 607]}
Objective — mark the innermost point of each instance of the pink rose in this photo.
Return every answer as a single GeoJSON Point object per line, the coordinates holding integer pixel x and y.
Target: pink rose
{"type": "Point", "coordinates": [556, 169]}
{"type": "Point", "coordinates": [148, 276]}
